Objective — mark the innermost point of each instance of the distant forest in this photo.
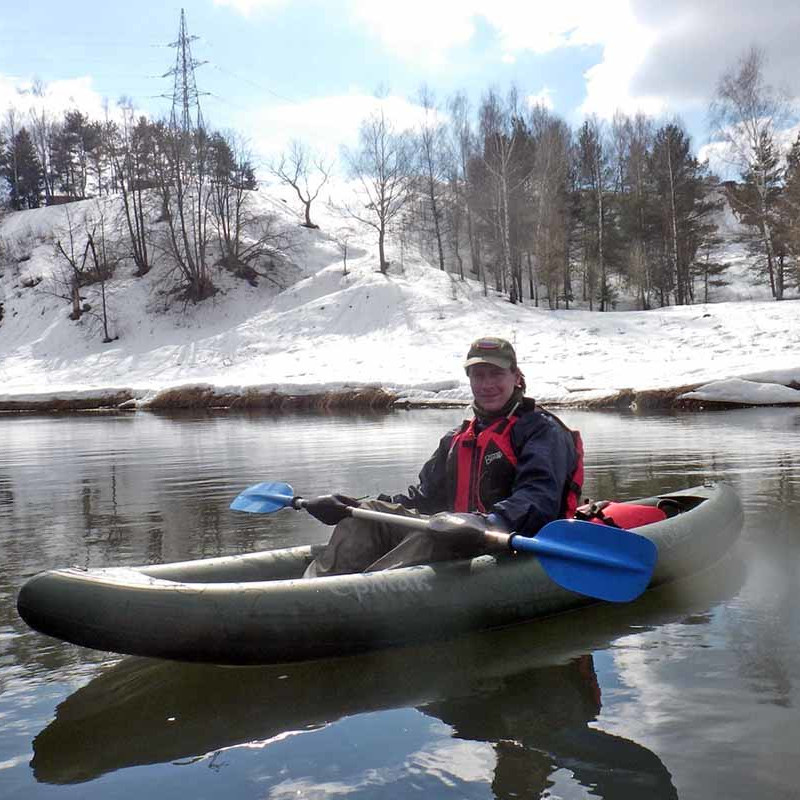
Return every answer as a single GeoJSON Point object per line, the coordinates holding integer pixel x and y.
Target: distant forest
{"type": "Point", "coordinates": [503, 193]}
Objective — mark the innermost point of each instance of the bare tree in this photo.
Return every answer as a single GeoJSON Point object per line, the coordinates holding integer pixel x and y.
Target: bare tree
{"type": "Point", "coordinates": [550, 200]}
{"type": "Point", "coordinates": [433, 163]}
{"type": "Point", "coordinates": [464, 149]}
{"type": "Point", "coordinates": [595, 172]}
{"type": "Point", "coordinates": [747, 112]}
{"type": "Point", "coordinates": [89, 260]}
{"type": "Point", "coordinates": [250, 244]}
{"type": "Point", "coordinates": [104, 265]}
{"type": "Point", "coordinates": [129, 157]}
{"type": "Point", "coordinates": [182, 174]}
{"type": "Point", "coordinates": [42, 134]}
{"type": "Point", "coordinates": [306, 172]}
{"type": "Point", "coordinates": [455, 211]}
{"type": "Point", "coordinates": [505, 139]}
{"type": "Point", "coordinates": [637, 206]}
{"type": "Point", "coordinates": [75, 276]}
{"type": "Point", "coordinates": [342, 240]}
{"type": "Point", "coordinates": [382, 166]}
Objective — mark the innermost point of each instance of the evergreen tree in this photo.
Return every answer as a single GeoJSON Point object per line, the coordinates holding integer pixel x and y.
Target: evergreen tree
{"type": "Point", "coordinates": [682, 191]}
{"type": "Point", "coordinates": [757, 204]}
{"type": "Point", "coordinates": [790, 207]}
{"type": "Point", "coordinates": [711, 273]}
{"type": "Point", "coordinates": [23, 172]}
{"type": "Point", "coordinates": [72, 144]}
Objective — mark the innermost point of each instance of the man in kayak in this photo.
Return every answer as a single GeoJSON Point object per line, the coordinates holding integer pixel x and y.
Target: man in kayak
{"type": "Point", "coordinates": [514, 465]}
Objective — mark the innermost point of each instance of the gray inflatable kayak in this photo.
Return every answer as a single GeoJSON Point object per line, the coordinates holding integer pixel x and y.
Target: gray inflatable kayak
{"type": "Point", "coordinates": [257, 608]}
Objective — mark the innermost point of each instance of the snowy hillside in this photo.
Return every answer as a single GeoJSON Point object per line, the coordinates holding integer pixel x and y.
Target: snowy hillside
{"type": "Point", "coordinates": [406, 331]}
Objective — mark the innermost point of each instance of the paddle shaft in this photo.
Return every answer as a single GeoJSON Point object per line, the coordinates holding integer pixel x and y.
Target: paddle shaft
{"type": "Point", "coordinates": [413, 523]}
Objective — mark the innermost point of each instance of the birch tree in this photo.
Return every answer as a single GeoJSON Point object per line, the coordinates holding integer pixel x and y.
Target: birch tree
{"type": "Point", "coordinates": [382, 165]}
{"type": "Point", "coordinates": [745, 112]}
{"type": "Point", "coordinates": [129, 154]}
{"type": "Point", "coordinates": [42, 130]}
{"type": "Point", "coordinates": [594, 169]}
{"type": "Point", "coordinates": [432, 164]}
{"type": "Point", "coordinates": [503, 137]}
{"type": "Point", "coordinates": [463, 148]}
{"type": "Point", "coordinates": [550, 211]}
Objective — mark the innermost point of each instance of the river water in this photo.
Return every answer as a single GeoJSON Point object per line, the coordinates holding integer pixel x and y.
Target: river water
{"type": "Point", "coordinates": [690, 692]}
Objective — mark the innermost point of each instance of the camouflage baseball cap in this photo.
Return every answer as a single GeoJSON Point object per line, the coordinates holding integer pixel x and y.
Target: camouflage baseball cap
{"type": "Point", "coordinates": [491, 350]}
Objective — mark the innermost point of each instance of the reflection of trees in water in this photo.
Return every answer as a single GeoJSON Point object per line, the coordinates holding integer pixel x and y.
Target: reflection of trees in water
{"type": "Point", "coordinates": [6, 492]}
{"type": "Point", "coordinates": [764, 626]}
{"type": "Point", "coordinates": [155, 538]}
{"type": "Point", "coordinates": [762, 654]}
{"type": "Point", "coordinates": [785, 480]}
{"type": "Point", "coordinates": [646, 479]}
{"type": "Point", "coordinates": [102, 522]}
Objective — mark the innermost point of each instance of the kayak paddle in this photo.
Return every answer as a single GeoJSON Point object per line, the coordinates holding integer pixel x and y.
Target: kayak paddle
{"type": "Point", "coordinates": [596, 560]}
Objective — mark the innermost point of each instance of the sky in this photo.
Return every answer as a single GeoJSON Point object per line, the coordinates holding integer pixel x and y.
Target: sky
{"type": "Point", "coordinates": [273, 70]}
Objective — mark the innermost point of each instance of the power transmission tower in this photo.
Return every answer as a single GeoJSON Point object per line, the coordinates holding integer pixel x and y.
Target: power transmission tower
{"type": "Point", "coordinates": [185, 96]}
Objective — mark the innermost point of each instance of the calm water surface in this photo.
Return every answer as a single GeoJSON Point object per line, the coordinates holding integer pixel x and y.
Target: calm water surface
{"type": "Point", "coordinates": [689, 692]}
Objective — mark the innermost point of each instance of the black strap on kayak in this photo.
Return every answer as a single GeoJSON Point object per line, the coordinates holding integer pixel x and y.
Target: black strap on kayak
{"type": "Point", "coordinates": [594, 511]}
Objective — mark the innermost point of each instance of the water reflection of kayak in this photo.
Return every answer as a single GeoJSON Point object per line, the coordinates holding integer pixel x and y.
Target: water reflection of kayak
{"type": "Point", "coordinates": [255, 609]}
{"type": "Point", "coordinates": [534, 684]}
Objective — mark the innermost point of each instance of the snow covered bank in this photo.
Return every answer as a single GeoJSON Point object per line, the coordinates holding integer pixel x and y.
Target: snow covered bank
{"type": "Point", "coordinates": [736, 390]}
{"type": "Point", "coordinates": [349, 336]}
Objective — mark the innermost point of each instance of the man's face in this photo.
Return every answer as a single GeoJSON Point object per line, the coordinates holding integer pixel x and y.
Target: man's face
{"type": "Point", "coordinates": [491, 386]}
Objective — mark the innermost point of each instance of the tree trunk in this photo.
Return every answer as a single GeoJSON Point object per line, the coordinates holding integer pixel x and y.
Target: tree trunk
{"type": "Point", "coordinates": [506, 224]}
{"type": "Point", "coordinates": [75, 294]}
{"type": "Point", "coordinates": [381, 253]}
{"type": "Point", "coordinates": [679, 281]}
{"type": "Point", "coordinates": [766, 231]}
{"type": "Point", "coordinates": [474, 246]}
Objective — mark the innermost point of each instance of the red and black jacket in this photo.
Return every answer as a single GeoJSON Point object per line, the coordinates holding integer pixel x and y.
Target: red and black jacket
{"type": "Point", "coordinates": [526, 467]}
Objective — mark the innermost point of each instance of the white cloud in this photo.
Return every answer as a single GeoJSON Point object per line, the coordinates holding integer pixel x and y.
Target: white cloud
{"type": "Point", "coordinates": [609, 83]}
{"type": "Point", "coordinates": [422, 29]}
{"type": "Point", "coordinates": [247, 7]}
{"type": "Point", "coordinates": [418, 29]}
{"type": "Point", "coordinates": [536, 27]}
{"type": "Point", "coordinates": [541, 27]}
{"type": "Point", "coordinates": [57, 97]}
{"type": "Point", "coordinates": [324, 123]}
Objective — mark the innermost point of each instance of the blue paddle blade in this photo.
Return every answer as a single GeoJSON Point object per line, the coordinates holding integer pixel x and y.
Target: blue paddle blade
{"type": "Point", "coordinates": [264, 498]}
{"type": "Point", "coordinates": [595, 560]}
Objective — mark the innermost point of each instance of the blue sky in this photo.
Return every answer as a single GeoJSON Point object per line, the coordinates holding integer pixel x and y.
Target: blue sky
{"type": "Point", "coordinates": [277, 69]}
